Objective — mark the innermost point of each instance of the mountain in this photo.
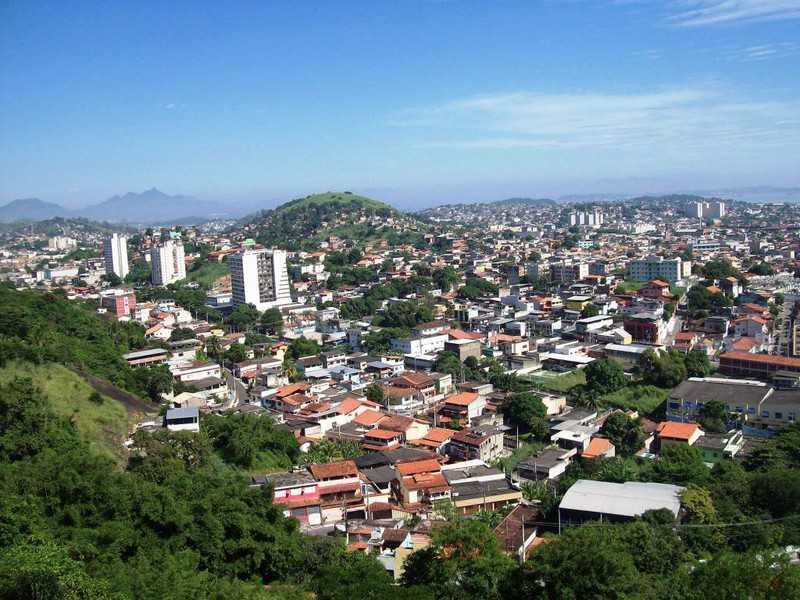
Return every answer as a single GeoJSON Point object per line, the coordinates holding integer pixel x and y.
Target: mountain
{"type": "Point", "coordinates": [299, 222]}
{"type": "Point", "coordinates": [532, 202]}
{"type": "Point", "coordinates": [151, 206]}
{"type": "Point", "coordinates": [30, 209]}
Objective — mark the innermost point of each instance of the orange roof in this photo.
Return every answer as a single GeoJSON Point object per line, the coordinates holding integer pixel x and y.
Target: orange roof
{"type": "Point", "coordinates": [763, 358]}
{"type": "Point", "coordinates": [433, 481]}
{"type": "Point", "coordinates": [343, 468]}
{"type": "Point", "coordinates": [347, 406]}
{"type": "Point", "coordinates": [659, 283]}
{"type": "Point", "coordinates": [745, 343]}
{"type": "Point", "coordinates": [369, 417]}
{"type": "Point", "coordinates": [457, 334]}
{"type": "Point", "coordinates": [428, 465]}
{"type": "Point", "coordinates": [292, 388]}
{"type": "Point", "coordinates": [462, 399]}
{"type": "Point", "coordinates": [397, 392]}
{"type": "Point", "coordinates": [597, 447]}
{"type": "Point", "coordinates": [677, 431]}
{"type": "Point", "coordinates": [439, 434]}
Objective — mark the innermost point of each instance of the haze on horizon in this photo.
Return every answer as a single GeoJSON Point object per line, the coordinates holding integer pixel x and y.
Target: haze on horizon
{"type": "Point", "coordinates": [417, 102]}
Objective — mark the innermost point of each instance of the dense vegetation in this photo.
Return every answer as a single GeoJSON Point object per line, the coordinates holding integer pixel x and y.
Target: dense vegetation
{"type": "Point", "coordinates": [296, 223]}
{"type": "Point", "coordinates": [46, 327]}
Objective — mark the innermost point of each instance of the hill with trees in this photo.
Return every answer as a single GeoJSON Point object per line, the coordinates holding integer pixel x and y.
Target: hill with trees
{"type": "Point", "coordinates": [298, 223]}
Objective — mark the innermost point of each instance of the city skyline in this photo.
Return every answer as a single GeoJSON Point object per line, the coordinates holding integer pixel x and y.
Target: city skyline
{"type": "Point", "coordinates": [266, 103]}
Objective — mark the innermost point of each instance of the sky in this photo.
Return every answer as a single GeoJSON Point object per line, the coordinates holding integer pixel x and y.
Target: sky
{"type": "Point", "coordinates": [415, 102]}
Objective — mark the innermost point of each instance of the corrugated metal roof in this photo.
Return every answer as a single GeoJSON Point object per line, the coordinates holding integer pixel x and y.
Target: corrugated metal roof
{"type": "Point", "coordinates": [629, 499]}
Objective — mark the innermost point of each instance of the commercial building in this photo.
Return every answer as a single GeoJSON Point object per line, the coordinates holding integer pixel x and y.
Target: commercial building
{"type": "Point", "coordinates": [759, 366]}
{"type": "Point", "coordinates": [740, 396]}
{"type": "Point", "coordinates": [657, 267]}
{"type": "Point", "coordinates": [590, 500]}
{"type": "Point", "coordinates": [167, 261]}
{"type": "Point", "coordinates": [259, 277]}
{"type": "Point", "coordinates": [115, 253]}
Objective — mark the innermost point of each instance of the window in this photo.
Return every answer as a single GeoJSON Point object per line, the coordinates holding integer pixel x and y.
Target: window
{"type": "Point", "coordinates": [778, 415]}
{"type": "Point", "coordinates": [765, 413]}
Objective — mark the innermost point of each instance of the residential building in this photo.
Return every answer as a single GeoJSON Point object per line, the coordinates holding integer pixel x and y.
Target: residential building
{"type": "Point", "coordinates": [298, 494]}
{"type": "Point", "coordinates": [656, 267]}
{"type": "Point", "coordinates": [182, 419]}
{"type": "Point", "coordinates": [115, 254]}
{"type": "Point", "coordinates": [167, 262]}
{"type": "Point", "coordinates": [671, 433]}
{"type": "Point", "coordinates": [259, 277]}
{"type": "Point", "coordinates": [482, 443]}
{"type": "Point", "coordinates": [119, 302]}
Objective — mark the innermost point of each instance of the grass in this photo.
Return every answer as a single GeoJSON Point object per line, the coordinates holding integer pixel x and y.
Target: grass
{"type": "Point", "coordinates": [643, 398]}
{"type": "Point", "coordinates": [558, 382]}
{"type": "Point", "coordinates": [208, 273]}
{"type": "Point", "coordinates": [104, 426]}
{"type": "Point", "coordinates": [509, 463]}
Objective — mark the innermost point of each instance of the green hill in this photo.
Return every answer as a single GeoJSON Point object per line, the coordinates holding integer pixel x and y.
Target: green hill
{"type": "Point", "coordinates": [103, 424]}
{"type": "Point", "coordinates": [302, 222]}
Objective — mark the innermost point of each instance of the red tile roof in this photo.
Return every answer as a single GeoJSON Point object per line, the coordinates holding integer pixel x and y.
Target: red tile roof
{"type": "Point", "coordinates": [677, 431]}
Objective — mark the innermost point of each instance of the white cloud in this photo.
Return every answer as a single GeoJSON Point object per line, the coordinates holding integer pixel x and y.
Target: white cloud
{"type": "Point", "coordinates": [670, 120]}
{"type": "Point", "coordinates": [763, 51]}
{"type": "Point", "coordinates": [694, 13]}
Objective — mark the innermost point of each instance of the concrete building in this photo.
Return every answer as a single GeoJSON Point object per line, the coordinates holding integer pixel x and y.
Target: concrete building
{"type": "Point", "coordinates": [259, 277]}
{"type": "Point", "coordinates": [119, 302]}
{"type": "Point", "coordinates": [657, 267]}
{"type": "Point", "coordinates": [115, 253]}
{"type": "Point", "coordinates": [706, 210]}
{"type": "Point", "coordinates": [616, 502]}
{"type": "Point", "coordinates": [167, 261]}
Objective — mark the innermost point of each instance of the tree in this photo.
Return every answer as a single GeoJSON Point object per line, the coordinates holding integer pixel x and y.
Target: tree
{"type": "Point", "coordinates": [301, 347]}
{"type": "Point", "coordinates": [666, 369]}
{"type": "Point", "coordinates": [447, 362]}
{"type": "Point", "coordinates": [243, 317]}
{"type": "Point", "coordinates": [590, 310]}
{"type": "Point", "coordinates": [181, 333]}
{"type": "Point", "coordinates": [679, 464]}
{"type": "Point", "coordinates": [272, 321]}
{"type": "Point", "coordinates": [625, 433]}
{"type": "Point", "coordinates": [697, 364]}
{"type": "Point", "coordinates": [463, 562]}
{"type": "Point", "coordinates": [112, 279]}
{"type": "Point", "coordinates": [605, 376]}
{"type": "Point", "coordinates": [236, 353]}
{"type": "Point", "coordinates": [713, 416]}
{"type": "Point", "coordinates": [374, 392]}
{"type": "Point", "coordinates": [524, 409]}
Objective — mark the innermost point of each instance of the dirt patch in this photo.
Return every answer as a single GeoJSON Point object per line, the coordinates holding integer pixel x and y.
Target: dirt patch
{"type": "Point", "coordinates": [132, 403]}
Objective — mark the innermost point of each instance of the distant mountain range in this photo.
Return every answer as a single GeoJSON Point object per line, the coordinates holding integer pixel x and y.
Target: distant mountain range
{"type": "Point", "coordinates": [150, 206]}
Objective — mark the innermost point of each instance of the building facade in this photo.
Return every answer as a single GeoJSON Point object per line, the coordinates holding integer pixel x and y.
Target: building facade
{"type": "Point", "coordinates": [167, 261]}
{"type": "Point", "coordinates": [259, 277]}
{"type": "Point", "coordinates": [115, 253]}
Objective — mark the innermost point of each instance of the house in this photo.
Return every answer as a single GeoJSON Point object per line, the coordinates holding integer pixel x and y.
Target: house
{"type": "Point", "coordinates": [420, 482]}
{"type": "Point", "coordinates": [410, 428]}
{"type": "Point", "coordinates": [672, 433]}
{"type": "Point", "coordinates": [474, 485]}
{"type": "Point", "coordinates": [462, 407]}
{"type": "Point", "coordinates": [549, 463]}
{"type": "Point", "coordinates": [182, 419]}
{"type": "Point", "coordinates": [298, 494]}
{"type": "Point", "coordinates": [339, 489]}
{"type": "Point", "coordinates": [463, 349]}
{"type": "Point", "coordinates": [517, 532]}
{"type": "Point", "coordinates": [146, 358]}
{"type": "Point", "coordinates": [717, 446]}
{"type": "Point", "coordinates": [588, 500]}
{"type": "Point", "coordinates": [751, 326]}
{"type": "Point", "coordinates": [645, 327]}
{"type": "Point", "coordinates": [422, 383]}
{"type": "Point", "coordinates": [656, 290]}
{"type": "Point", "coordinates": [435, 439]}
{"type": "Point", "coordinates": [483, 443]}
{"type": "Point", "coordinates": [382, 439]}
{"type": "Point", "coordinates": [599, 448]}
{"type": "Point", "coordinates": [402, 400]}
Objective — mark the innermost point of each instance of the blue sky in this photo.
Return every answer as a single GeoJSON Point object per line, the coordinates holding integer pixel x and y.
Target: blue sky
{"type": "Point", "coordinates": [415, 102]}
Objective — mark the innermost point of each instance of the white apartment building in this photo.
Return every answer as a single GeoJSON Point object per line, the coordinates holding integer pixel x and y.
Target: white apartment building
{"type": "Point", "coordinates": [590, 219]}
{"type": "Point", "coordinates": [657, 267]}
{"type": "Point", "coordinates": [61, 242]}
{"type": "Point", "coordinates": [259, 277]}
{"type": "Point", "coordinates": [706, 210]}
{"type": "Point", "coordinates": [167, 261]}
{"type": "Point", "coordinates": [426, 344]}
{"type": "Point", "coordinates": [115, 253]}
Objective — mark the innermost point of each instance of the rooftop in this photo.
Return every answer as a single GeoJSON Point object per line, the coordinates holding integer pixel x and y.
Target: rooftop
{"type": "Point", "coordinates": [629, 499]}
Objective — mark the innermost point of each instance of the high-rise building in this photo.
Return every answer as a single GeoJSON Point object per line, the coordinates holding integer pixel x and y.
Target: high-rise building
{"type": "Point", "coordinates": [167, 262]}
{"type": "Point", "coordinates": [259, 277]}
{"type": "Point", "coordinates": [115, 252]}
{"type": "Point", "coordinates": [706, 210]}
{"type": "Point", "coordinates": [594, 218]}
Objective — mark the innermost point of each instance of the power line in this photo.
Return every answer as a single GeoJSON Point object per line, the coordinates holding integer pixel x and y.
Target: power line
{"type": "Point", "coordinates": [683, 525]}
